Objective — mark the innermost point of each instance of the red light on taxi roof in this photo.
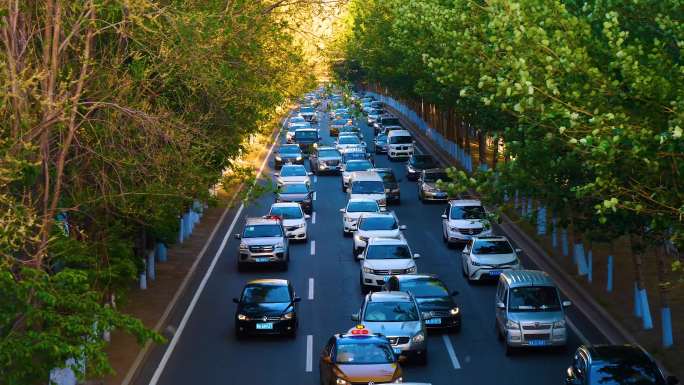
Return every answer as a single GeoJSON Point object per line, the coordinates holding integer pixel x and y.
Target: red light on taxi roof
{"type": "Point", "coordinates": [359, 331]}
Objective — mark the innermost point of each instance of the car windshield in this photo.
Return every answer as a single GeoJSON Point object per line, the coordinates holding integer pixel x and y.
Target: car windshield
{"type": "Point", "coordinates": [363, 207]}
{"type": "Point", "coordinates": [351, 139]}
{"type": "Point", "coordinates": [265, 294]}
{"type": "Point", "coordinates": [492, 247]}
{"type": "Point", "coordinates": [379, 223]}
{"type": "Point", "coordinates": [306, 110]}
{"type": "Point", "coordinates": [306, 135]}
{"type": "Point", "coordinates": [387, 177]}
{"type": "Point", "coordinates": [287, 212]}
{"type": "Point", "coordinates": [262, 231]}
{"type": "Point", "coordinates": [351, 129]}
{"type": "Point", "coordinates": [339, 122]}
{"type": "Point", "coordinates": [363, 353]}
{"type": "Point", "coordinates": [423, 161]}
{"type": "Point", "coordinates": [328, 154]}
{"type": "Point", "coordinates": [294, 188]}
{"type": "Point", "coordinates": [367, 187]}
{"type": "Point", "coordinates": [293, 171]}
{"type": "Point", "coordinates": [401, 139]}
{"type": "Point", "coordinates": [432, 177]}
{"type": "Point", "coordinates": [289, 150]}
{"type": "Point", "coordinates": [354, 156]}
{"type": "Point", "coordinates": [625, 372]}
{"type": "Point", "coordinates": [381, 138]}
{"type": "Point", "coordinates": [376, 112]}
{"type": "Point", "coordinates": [425, 287]}
{"type": "Point", "coordinates": [358, 165]}
{"type": "Point", "coordinates": [533, 298]}
{"type": "Point", "coordinates": [297, 119]}
{"type": "Point", "coordinates": [467, 212]}
{"type": "Point", "coordinates": [388, 252]}
{"type": "Point", "coordinates": [391, 312]}
{"type": "Point", "coordinates": [390, 122]}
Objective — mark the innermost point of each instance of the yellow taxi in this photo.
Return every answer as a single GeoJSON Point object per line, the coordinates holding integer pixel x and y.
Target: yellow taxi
{"type": "Point", "coordinates": [359, 357]}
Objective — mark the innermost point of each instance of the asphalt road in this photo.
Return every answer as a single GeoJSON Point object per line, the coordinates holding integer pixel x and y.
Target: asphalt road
{"type": "Point", "coordinates": [207, 352]}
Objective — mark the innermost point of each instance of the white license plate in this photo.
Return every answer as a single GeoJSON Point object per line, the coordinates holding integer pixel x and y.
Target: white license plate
{"type": "Point", "coordinates": [264, 326]}
{"type": "Point", "coordinates": [262, 259]}
{"type": "Point", "coordinates": [433, 321]}
{"type": "Point", "coordinates": [536, 342]}
{"type": "Point", "coordinates": [397, 350]}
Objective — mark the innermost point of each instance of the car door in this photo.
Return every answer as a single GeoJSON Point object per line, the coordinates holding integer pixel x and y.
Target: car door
{"type": "Point", "coordinates": [325, 367]}
{"type": "Point", "coordinates": [501, 294]}
{"type": "Point", "coordinates": [445, 221]}
{"type": "Point", "coordinates": [313, 160]}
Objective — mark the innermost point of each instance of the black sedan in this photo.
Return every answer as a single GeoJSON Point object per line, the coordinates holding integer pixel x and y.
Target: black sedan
{"type": "Point", "coordinates": [288, 153]}
{"type": "Point", "coordinates": [615, 365]}
{"type": "Point", "coordinates": [417, 163]}
{"type": "Point", "coordinates": [266, 306]}
{"type": "Point", "coordinates": [296, 192]}
{"type": "Point", "coordinates": [432, 296]}
{"type": "Point", "coordinates": [391, 184]}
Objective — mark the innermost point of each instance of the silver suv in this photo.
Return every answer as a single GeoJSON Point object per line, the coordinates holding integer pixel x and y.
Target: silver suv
{"type": "Point", "coordinates": [529, 311]}
{"type": "Point", "coordinates": [395, 314]}
{"type": "Point", "coordinates": [263, 242]}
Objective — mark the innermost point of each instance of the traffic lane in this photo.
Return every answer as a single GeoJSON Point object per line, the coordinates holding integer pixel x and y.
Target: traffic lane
{"type": "Point", "coordinates": [208, 351]}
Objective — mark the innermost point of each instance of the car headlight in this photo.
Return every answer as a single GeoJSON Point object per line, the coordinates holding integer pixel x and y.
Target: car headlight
{"type": "Point", "coordinates": [341, 381]}
{"type": "Point", "coordinates": [512, 325]}
{"type": "Point", "coordinates": [278, 158]}
{"type": "Point", "coordinates": [301, 225]}
{"type": "Point", "coordinates": [559, 324]}
{"type": "Point", "coordinates": [367, 270]}
{"type": "Point", "coordinates": [299, 157]}
{"type": "Point", "coordinates": [287, 316]}
{"type": "Point", "coordinates": [242, 317]}
{"type": "Point", "coordinates": [399, 380]}
{"type": "Point", "coordinates": [243, 246]}
{"type": "Point", "coordinates": [348, 219]}
{"type": "Point", "coordinates": [454, 229]}
{"type": "Point", "coordinates": [279, 246]}
{"type": "Point", "coordinates": [455, 311]}
{"type": "Point", "coordinates": [411, 270]}
{"type": "Point", "coordinates": [475, 262]}
{"type": "Point", "coordinates": [418, 338]}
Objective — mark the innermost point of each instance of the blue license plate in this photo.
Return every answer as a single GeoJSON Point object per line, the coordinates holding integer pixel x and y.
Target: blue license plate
{"type": "Point", "coordinates": [433, 321]}
{"type": "Point", "coordinates": [262, 259]}
{"type": "Point", "coordinates": [264, 326]}
{"type": "Point", "coordinates": [397, 350]}
{"type": "Point", "coordinates": [495, 273]}
{"type": "Point", "coordinates": [536, 342]}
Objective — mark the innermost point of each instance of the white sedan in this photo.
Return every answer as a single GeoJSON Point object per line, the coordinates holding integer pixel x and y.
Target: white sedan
{"type": "Point", "coordinates": [355, 208]}
{"type": "Point", "coordinates": [293, 173]}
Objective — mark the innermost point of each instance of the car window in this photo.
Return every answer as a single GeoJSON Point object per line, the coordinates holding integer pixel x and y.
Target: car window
{"type": "Point", "coordinates": [265, 294]}
{"type": "Point", "coordinates": [351, 139]}
{"type": "Point", "coordinates": [306, 110]}
{"type": "Point", "coordinates": [533, 298]}
{"type": "Point", "coordinates": [359, 165]}
{"type": "Point", "coordinates": [293, 171]}
{"type": "Point", "coordinates": [362, 207]}
{"type": "Point", "coordinates": [402, 139]}
{"type": "Point", "coordinates": [467, 212]}
{"type": "Point", "coordinates": [388, 252]}
{"type": "Point", "coordinates": [391, 312]}
{"type": "Point", "coordinates": [354, 156]}
{"type": "Point", "coordinates": [261, 231]}
{"type": "Point", "coordinates": [423, 161]}
{"type": "Point", "coordinates": [294, 188]}
{"type": "Point", "coordinates": [289, 150]}
{"type": "Point", "coordinates": [378, 223]}
{"type": "Point", "coordinates": [492, 247]}
{"type": "Point", "coordinates": [367, 187]}
{"type": "Point", "coordinates": [306, 135]}
{"type": "Point", "coordinates": [287, 212]}
{"type": "Point", "coordinates": [431, 177]}
{"type": "Point", "coordinates": [425, 287]}
{"type": "Point", "coordinates": [350, 353]}
{"type": "Point", "coordinates": [329, 154]}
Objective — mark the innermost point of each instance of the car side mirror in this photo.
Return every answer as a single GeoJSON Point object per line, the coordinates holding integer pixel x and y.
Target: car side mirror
{"type": "Point", "coordinates": [355, 317]}
{"type": "Point", "coordinates": [444, 216]}
{"type": "Point", "coordinates": [237, 236]}
{"type": "Point", "coordinates": [416, 256]}
{"type": "Point", "coordinates": [309, 173]}
{"type": "Point", "coordinates": [236, 300]}
{"type": "Point", "coordinates": [297, 299]}
{"type": "Point", "coordinates": [402, 227]}
{"type": "Point", "coordinates": [567, 303]}
{"type": "Point", "coordinates": [519, 251]}
{"type": "Point", "coordinates": [276, 174]}
{"type": "Point", "coordinates": [500, 305]}
{"type": "Point", "coordinates": [455, 292]}
{"type": "Point", "coordinates": [427, 315]}
{"type": "Point", "coordinates": [671, 380]}
{"type": "Point", "coordinates": [307, 216]}
{"type": "Point", "coordinates": [343, 210]}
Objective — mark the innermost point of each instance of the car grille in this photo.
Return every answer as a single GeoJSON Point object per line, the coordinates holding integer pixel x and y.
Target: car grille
{"type": "Point", "coordinates": [261, 248]}
{"type": "Point", "coordinates": [440, 313]}
{"type": "Point", "coordinates": [291, 228]}
{"type": "Point", "coordinates": [529, 337]}
{"type": "Point", "coordinates": [470, 231]}
{"type": "Point", "coordinates": [390, 272]}
{"type": "Point", "coordinates": [536, 326]}
{"type": "Point", "coordinates": [331, 162]}
{"type": "Point", "coordinates": [398, 340]}
{"type": "Point", "coordinates": [401, 148]}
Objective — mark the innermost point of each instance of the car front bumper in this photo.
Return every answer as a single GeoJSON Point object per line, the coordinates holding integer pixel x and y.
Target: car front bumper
{"type": "Point", "coordinates": [440, 196]}
{"type": "Point", "coordinates": [488, 272]}
{"type": "Point", "coordinates": [271, 326]}
{"type": "Point", "coordinates": [254, 258]}
{"type": "Point", "coordinates": [458, 237]}
{"type": "Point", "coordinates": [298, 233]}
{"type": "Point", "coordinates": [554, 337]}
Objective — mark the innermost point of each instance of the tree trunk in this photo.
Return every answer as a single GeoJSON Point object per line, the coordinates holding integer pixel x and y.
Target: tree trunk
{"type": "Point", "coordinates": [482, 147]}
{"type": "Point", "coordinates": [495, 152]}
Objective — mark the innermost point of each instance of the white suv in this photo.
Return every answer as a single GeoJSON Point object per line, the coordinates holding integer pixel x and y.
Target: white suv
{"type": "Point", "coordinates": [292, 173]}
{"type": "Point", "coordinates": [294, 219]}
{"type": "Point", "coordinates": [383, 258]}
{"type": "Point", "coordinates": [464, 219]}
{"type": "Point", "coordinates": [488, 257]}
{"type": "Point", "coordinates": [368, 184]}
{"type": "Point", "coordinates": [377, 225]}
{"type": "Point", "coordinates": [355, 208]}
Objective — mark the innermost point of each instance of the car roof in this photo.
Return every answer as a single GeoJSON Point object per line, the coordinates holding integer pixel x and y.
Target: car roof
{"type": "Point", "coordinates": [269, 281]}
{"type": "Point", "coordinates": [285, 204]}
{"type": "Point", "coordinates": [357, 161]}
{"type": "Point", "coordinates": [490, 238]}
{"type": "Point", "coordinates": [465, 202]}
{"type": "Point", "coordinates": [410, 277]}
{"type": "Point", "coordinates": [288, 146]}
{"type": "Point", "coordinates": [305, 129]}
{"type": "Point", "coordinates": [398, 132]}
{"type": "Point", "coordinates": [388, 296]}
{"type": "Point", "coordinates": [366, 176]}
{"type": "Point", "coordinates": [613, 353]}
{"type": "Point", "coordinates": [255, 221]}
{"type": "Point", "coordinates": [293, 166]}
{"type": "Point", "coordinates": [387, 241]}
{"type": "Point", "coordinates": [516, 278]}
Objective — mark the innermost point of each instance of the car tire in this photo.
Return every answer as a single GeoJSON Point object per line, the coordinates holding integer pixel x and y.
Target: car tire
{"type": "Point", "coordinates": [364, 288]}
{"type": "Point", "coordinates": [444, 237]}
{"type": "Point", "coordinates": [345, 234]}
{"type": "Point", "coordinates": [499, 335]}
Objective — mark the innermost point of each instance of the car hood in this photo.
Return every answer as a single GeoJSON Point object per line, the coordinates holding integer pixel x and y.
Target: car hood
{"type": "Point", "coordinates": [263, 309]}
{"type": "Point", "coordinates": [288, 156]}
{"type": "Point", "coordinates": [327, 158]}
{"type": "Point", "coordinates": [375, 197]}
{"type": "Point", "coordinates": [261, 241]}
{"type": "Point", "coordinates": [380, 373]}
{"type": "Point", "coordinates": [432, 185]}
{"type": "Point", "coordinates": [292, 197]}
{"type": "Point", "coordinates": [391, 264]}
{"type": "Point", "coordinates": [494, 259]}
{"type": "Point", "coordinates": [293, 179]}
{"type": "Point", "coordinates": [380, 233]}
{"type": "Point", "coordinates": [468, 223]}
{"type": "Point", "coordinates": [354, 215]}
{"type": "Point", "coordinates": [395, 329]}
{"type": "Point", "coordinates": [536, 316]}
{"type": "Point", "coordinates": [293, 222]}
{"type": "Point", "coordinates": [435, 303]}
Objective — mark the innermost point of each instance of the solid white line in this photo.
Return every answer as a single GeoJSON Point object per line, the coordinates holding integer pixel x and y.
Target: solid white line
{"type": "Point", "coordinates": [452, 353]}
{"type": "Point", "coordinates": [311, 289]}
{"type": "Point", "coordinates": [576, 330]}
{"type": "Point", "coordinates": [313, 218]}
{"type": "Point", "coordinates": [314, 196]}
{"type": "Point", "coordinates": [309, 353]}
{"type": "Point", "coordinates": [191, 307]}
{"type": "Point", "coordinates": [313, 247]}
{"type": "Point", "coordinates": [315, 178]}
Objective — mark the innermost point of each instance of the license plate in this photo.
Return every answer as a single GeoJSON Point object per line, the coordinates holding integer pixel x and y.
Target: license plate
{"type": "Point", "coordinates": [433, 321]}
{"type": "Point", "coordinates": [495, 273]}
{"type": "Point", "coordinates": [536, 342]}
{"type": "Point", "coordinates": [262, 259]}
{"type": "Point", "coordinates": [265, 326]}
{"type": "Point", "coordinates": [397, 350]}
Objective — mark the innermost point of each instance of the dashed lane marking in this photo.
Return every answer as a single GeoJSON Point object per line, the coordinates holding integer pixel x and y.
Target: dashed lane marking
{"type": "Point", "coordinates": [313, 247]}
{"type": "Point", "coordinates": [311, 289]}
{"type": "Point", "coordinates": [309, 353]}
{"type": "Point", "coordinates": [451, 351]}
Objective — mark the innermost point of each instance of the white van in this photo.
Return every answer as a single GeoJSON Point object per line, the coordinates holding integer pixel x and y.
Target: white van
{"type": "Point", "coordinates": [399, 144]}
{"type": "Point", "coordinates": [368, 185]}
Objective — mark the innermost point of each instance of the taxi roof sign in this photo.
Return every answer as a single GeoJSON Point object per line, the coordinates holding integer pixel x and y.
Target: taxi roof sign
{"type": "Point", "coordinates": [359, 330]}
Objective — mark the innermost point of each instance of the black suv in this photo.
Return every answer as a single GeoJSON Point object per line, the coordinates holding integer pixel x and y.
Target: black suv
{"type": "Point", "coordinates": [267, 306]}
{"type": "Point", "coordinates": [417, 163]}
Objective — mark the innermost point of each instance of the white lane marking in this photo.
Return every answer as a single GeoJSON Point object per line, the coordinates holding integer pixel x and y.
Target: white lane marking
{"type": "Point", "coordinates": [309, 353]}
{"type": "Point", "coordinates": [313, 247]}
{"type": "Point", "coordinates": [315, 178]}
{"type": "Point", "coordinates": [311, 289]}
{"type": "Point", "coordinates": [313, 218]}
{"type": "Point", "coordinates": [450, 350]}
{"type": "Point", "coordinates": [314, 196]}
{"type": "Point", "coordinates": [576, 330]}
{"type": "Point", "coordinates": [191, 307]}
